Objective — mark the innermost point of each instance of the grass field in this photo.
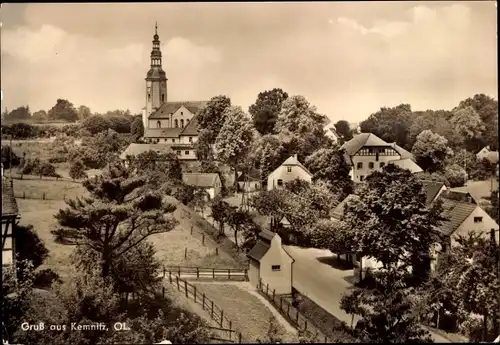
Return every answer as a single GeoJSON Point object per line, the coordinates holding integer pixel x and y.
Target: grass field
{"type": "Point", "coordinates": [33, 187]}
{"type": "Point", "coordinates": [249, 315]}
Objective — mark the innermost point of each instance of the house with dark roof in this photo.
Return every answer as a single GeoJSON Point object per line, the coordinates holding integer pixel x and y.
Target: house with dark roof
{"type": "Point", "coordinates": [249, 181]}
{"type": "Point", "coordinates": [211, 182]}
{"type": "Point", "coordinates": [289, 170]}
{"type": "Point", "coordinates": [433, 190]}
{"type": "Point", "coordinates": [165, 121]}
{"type": "Point", "coordinates": [270, 263]}
{"type": "Point", "coordinates": [366, 153]}
{"type": "Point", "coordinates": [10, 216]}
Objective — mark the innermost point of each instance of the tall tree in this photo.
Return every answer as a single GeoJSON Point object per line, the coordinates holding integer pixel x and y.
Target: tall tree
{"type": "Point", "coordinates": [63, 110]}
{"type": "Point", "coordinates": [430, 151]}
{"type": "Point", "coordinates": [203, 146]}
{"type": "Point", "coordinates": [344, 130]}
{"type": "Point", "coordinates": [137, 127]}
{"type": "Point", "coordinates": [468, 124]}
{"type": "Point", "coordinates": [21, 113]}
{"type": "Point", "coordinates": [39, 116]}
{"type": "Point", "coordinates": [266, 108]}
{"type": "Point", "coordinates": [83, 112]}
{"type": "Point", "coordinates": [212, 116]}
{"type": "Point", "coordinates": [391, 223]}
{"type": "Point", "coordinates": [390, 124]}
{"type": "Point", "coordinates": [116, 217]}
{"type": "Point", "coordinates": [77, 170]}
{"type": "Point", "coordinates": [235, 137]}
{"type": "Point", "coordinates": [269, 154]}
{"type": "Point", "coordinates": [330, 165]}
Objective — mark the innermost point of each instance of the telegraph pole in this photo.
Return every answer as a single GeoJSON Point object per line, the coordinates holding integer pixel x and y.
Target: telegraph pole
{"type": "Point", "coordinates": [10, 157]}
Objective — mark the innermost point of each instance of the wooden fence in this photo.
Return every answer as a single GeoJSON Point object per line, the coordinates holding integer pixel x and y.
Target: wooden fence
{"type": "Point", "coordinates": [205, 272]}
{"type": "Point", "coordinates": [226, 333]}
{"type": "Point", "coordinates": [291, 313]}
{"type": "Point", "coordinates": [38, 196]}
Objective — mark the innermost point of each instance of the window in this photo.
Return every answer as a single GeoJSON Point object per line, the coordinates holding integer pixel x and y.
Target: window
{"type": "Point", "coordinates": [173, 140]}
{"type": "Point", "coordinates": [359, 166]}
{"type": "Point", "coordinates": [187, 121]}
{"type": "Point", "coordinates": [288, 169]}
{"type": "Point", "coordinates": [190, 139]}
{"type": "Point", "coordinates": [176, 123]}
{"type": "Point", "coordinates": [186, 152]}
{"type": "Point", "coordinates": [182, 123]}
{"type": "Point", "coordinates": [370, 150]}
{"type": "Point", "coordinates": [280, 182]}
{"type": "Point", "coordinates": [382, 164]}
{"type": "Point", "coordinates": [165, 140]}
{"type": "Point", "coordinates": [370, 165]}
{"type": "Point", "coordinates": [149, 96]}
{"type": "Point", "coordinates": [478, 219]}
{"type": "Point", "coordinates": [178, 153]}
{"type": "Point", "coordinates": [158, 124]}
{"type": "Point", "coordinates": [276, 267]}
{"type": "Point", "coordinates": [182, 113]}
{"type": "Point", "coordinates": [361, 178]}
{"type": "Point", "coordinates": [163, 98]}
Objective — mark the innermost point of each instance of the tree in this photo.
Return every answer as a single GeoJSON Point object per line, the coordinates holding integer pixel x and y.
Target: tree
{"type": "Point", "coordinates": [22, 131]}
{"type": "Point", "coordinates": [83, 112]}
{"type": "Point", "coordinates": [390, 124]}
{"type": "Point", "coordinates": [19, 114]}
{"type": "Point", "coordinates": [390, 222]}
{"type": "Point", "coordinates": [301, 125]}
{"type": "Point", "coordinates": [329, 234]}
{"type": "Point", "coordinates": [96, 124]}
{"type": "Point", "coordinates": [39, 116]}
{"type": "Point", "coordinates": [120, 121]}
{"type": "Point", "coordinates": [430, 151]}
{"type": "Point", "coordinates": [455, 175]}
{"type": "Point", "coordinates": [238, 220]}
{"type": "Point", "coordinates": [203, 146]}
{"type": "Point", "coordinates": [274, 334]}
{"type": "Point", "coordinates": [77, 170]}
{"type": "Point", "coordinates": [234, 140]}
{"type": "Point", "coordinates": [116, 217]}
{"type": "Point", "coordinates": [63, 110]}
{"type": "Point", "coordinates": [269, 154]}
{"type": "Point", "coordinates": [329, 165]}
{"type": "Point", "coordinates": [467, 124]}
{"type": "Point", "coordinates": [167, 163]}
{"type": "Point", "coordinates": [9, 157]}
{"type": "Point", "coordinates": [46, 169]}
{"type": "Point", "coordinates": [273, 204]}
{"type": "Point", "coordinates": [220, 211]}
{"type": "Point", "coordinates": [137, 127]}
{"type": "Point", "coordinates": [212, 116]}
{"type": "Point", "coordinates": [185, 194]}
{"type": "Point", "coordinates": [344, 130]}
{"type": "Point", "coordinates": [266, 108]}
{"type": "Point", "coordinates": [387, 312]}
{"type": "Point", "coordinates": [487, 109]}
{"type": "Point", "coordinates": [481, 169]}
{"type": "Point", "coordinates": [200, 198]}
{"type": "Point", "coordinates": [29, 246]}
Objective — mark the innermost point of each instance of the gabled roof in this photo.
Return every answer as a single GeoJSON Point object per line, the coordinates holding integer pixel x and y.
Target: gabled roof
{"type": "Point", "coordinates": [338, 212]}
{"type": "Point", "coordinates": [162, 132]}
{"type": "Point", "coordinates": [293, 161]}
{"type": "Point", "coordinates": [431, 189]}
{"type": "Point", "coordinates": [266, 235]}
{"type": "Point", "coordinates": [259, 250]}
{"type": "Point", "coordinates": [205, 180]}
{"type": "Point", "coordinates": [168, 108]}
{"type": "Point", "coordinates": [253, 175]}
{"type": "Point", "coordinates": [9, 204]}
{"type": "Point", "coordinates": [332, 129]}
{"type": "Point", "coordinates": [407, 163]}
{"type": "Point", "coordinates": [352, 146]}
{"type": "Point", "coordinates": [402, 152]}
{"type": "Point", "coordinates": [192, 127]}
{"type": "Point", "coordinates": [135, 149]}
{"type": "Point", "coordinates": [456, 212]}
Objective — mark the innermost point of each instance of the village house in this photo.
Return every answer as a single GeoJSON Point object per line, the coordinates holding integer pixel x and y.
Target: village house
{"type": "Point", "coordinates": [289, 170]}
{"type": "Point", "coordinates": [486, 153]}
{"type": "Point", "coordinates": [249, 181]}
{"type": "Point", "coordinates": [209, 181]}
{"type": "Point", "coordinates": [183, 152]}
{"type": "Point", "coordinates": [10, 216]}
{"type": "Point", "coordinates": [331, 132]}
{"type": "Point", "coordinates": [269, 263]}
{"type": "Point", "coordinates": [366, 153]}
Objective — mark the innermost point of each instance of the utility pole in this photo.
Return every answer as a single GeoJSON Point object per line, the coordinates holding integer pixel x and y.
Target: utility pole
{"type": "Point", "coordinates": [10, 158]}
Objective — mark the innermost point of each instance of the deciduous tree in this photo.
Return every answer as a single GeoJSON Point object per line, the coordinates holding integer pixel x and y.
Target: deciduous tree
{"type": "Point", "coordinates": [96, 124]}
{"type": "Point", "coordinates": [83, 112]}
{"type": "Point", "coordinates": [344, 130]}
{"type": "Point", "coordinates": [212, 116]}
{"type": "Point", "coordinates": [455, 175]}
{"type": "Point", "coordinates": [266, 108]}
{"type": "Point", "coordinates": [137, 127]}
{"type": "Point", "coordinates": [63, 110]}
{"type": "Point", "coordinates": [77, 170]}
{"type": "Point", "coordinates": [430, 151]}
{"type": "Point", "coordinates": [468, 124]}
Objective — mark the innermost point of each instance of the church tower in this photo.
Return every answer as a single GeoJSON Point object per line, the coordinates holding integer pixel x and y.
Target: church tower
{"type": "Point", "coordinates": [156, 81]}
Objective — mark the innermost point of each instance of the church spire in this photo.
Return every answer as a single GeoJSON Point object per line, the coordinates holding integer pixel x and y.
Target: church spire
{"type": "Point", "coordinates": [156, 52]}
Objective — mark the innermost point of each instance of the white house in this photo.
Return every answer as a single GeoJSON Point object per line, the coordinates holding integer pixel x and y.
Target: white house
{"type": "Point", "coordinates": [485, 152]}
{"type": "Point", "coordinates": [270, 264]}
{"type": "Point", "coordinates": [366, 153]}
{"type": "Point", "coordinates": [331, 133]}
{"type": "Point", "coordinates": [249, 182]}
{"type": "Point", "coordinates": [209, 181]}
{"type": "Point", "coordinates": [289, 170]}
{"type": "Point", "coordinates": [183, 151]}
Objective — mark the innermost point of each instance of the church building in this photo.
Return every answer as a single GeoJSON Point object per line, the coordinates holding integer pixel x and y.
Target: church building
{"type": "Point", "coordinates": [170, 123]}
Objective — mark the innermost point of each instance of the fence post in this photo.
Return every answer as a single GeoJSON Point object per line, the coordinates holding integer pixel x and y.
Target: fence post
{"type": "Point", "coordinates": [197, 273]}
{"type": "Point", "coordinates": [297, 318]}
{"type": "Point", "coordinates": [216, 251]}
{"type": "Point", "coordinates": [179, 270]}
{"type": "Point", "coordinates": [274, 293]}
{"type": "Point", "coordinates": [281, 302]}
{"type": "Point", "coordinates": [229, 273]}
{"type": "Point", "coordinates": [194, 286]}
{"type": "Point", "coordinates": [191, 229]}
{"type": "Point", "coordinates": [170, 276]}
{"type": "Point", "coordinates": [288, 310]}
{"type": "Point", "coordinates": [239, 338]}
{"type": "Point", "coordinates": [246, 274]}
{"type": "Point", "coordinates": [203, 239]}
{"type": "Point", "coordinates": [178, 287]}
{"type": "Point", "coordinates": [213, 273]}
{"type": "Point", "coordinates": [163, 291]}
{"type": "Point", "coordinates": [212, 310]}
{"type": "Point", "coordinates": [203, 301]}
{"type": "Point", "coordinates": [305, 323]}
{"type": "Point", "coordinates": [43, 196]}
{"type": "Point", "coordinates": [164, 272]}
{"type": "Point", "coordinates": [185, 253]}
{"type": "Point", "coordinates": [221, 318]}
{"type": "Point", "coordinates": [230, 328]}
{"type": "Point", "coordinates": [325, 339]}
{"type": "Point", "coordinates": [186, 288]}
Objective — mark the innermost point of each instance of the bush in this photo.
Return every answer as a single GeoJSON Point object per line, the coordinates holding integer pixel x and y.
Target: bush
{"type": "Point", "coordinates": [482, 170]}
{"type": "Point", "coordinates": [455, 175]}
{"type": "Point", "coordinates": [96, 123]}
{"type": "Point", "coordinates": [8, 156]}
{"type": "Point", "coordinates": [77, 170]}
{"type": "Point", "coordinates": [45, 278]}
{"type": "Point", "coordinates": [29, 246]}
{"type": "Point", "coordinates": [46, 169]}
{"type": "Point", "coordinates": [137, 127]}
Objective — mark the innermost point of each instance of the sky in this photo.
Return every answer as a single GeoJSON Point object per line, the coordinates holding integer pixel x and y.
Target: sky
{"type": "Point", "coordinates": [348, 59]}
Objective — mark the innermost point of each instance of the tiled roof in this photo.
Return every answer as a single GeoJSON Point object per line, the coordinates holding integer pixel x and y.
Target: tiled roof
{"type": "Point", "coordinates": [162, 132]}
{"type": "Point", "coordinates": [338, 212]}
{"type": "Point", "coordinates": [253, 175]}
{"type": "Point", "coordinates": [191, 128]}
{"type": "Point", "coordinates": [200, 179]}
{"type": "Point", "coordinates": [259, 250]}
{"type": "Point", "coordinates": [168, 108]}
{"type": "Point", "coordinates": [456, 212]}
{"type": "Point", "coordinates": [293, 161]}
{"type": "Point", "coordinates": [135, 149]}
{"type": "Point", "coordinates": [266, 235]}
{"type": "Point", "coordinates": [431, 188]}
{"type": "Point", "coordinates": [9, 204]}
{"type": "Point", "coordinates": [352, 146]}
{"type": "Point", "coordinates": [407, 163]}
